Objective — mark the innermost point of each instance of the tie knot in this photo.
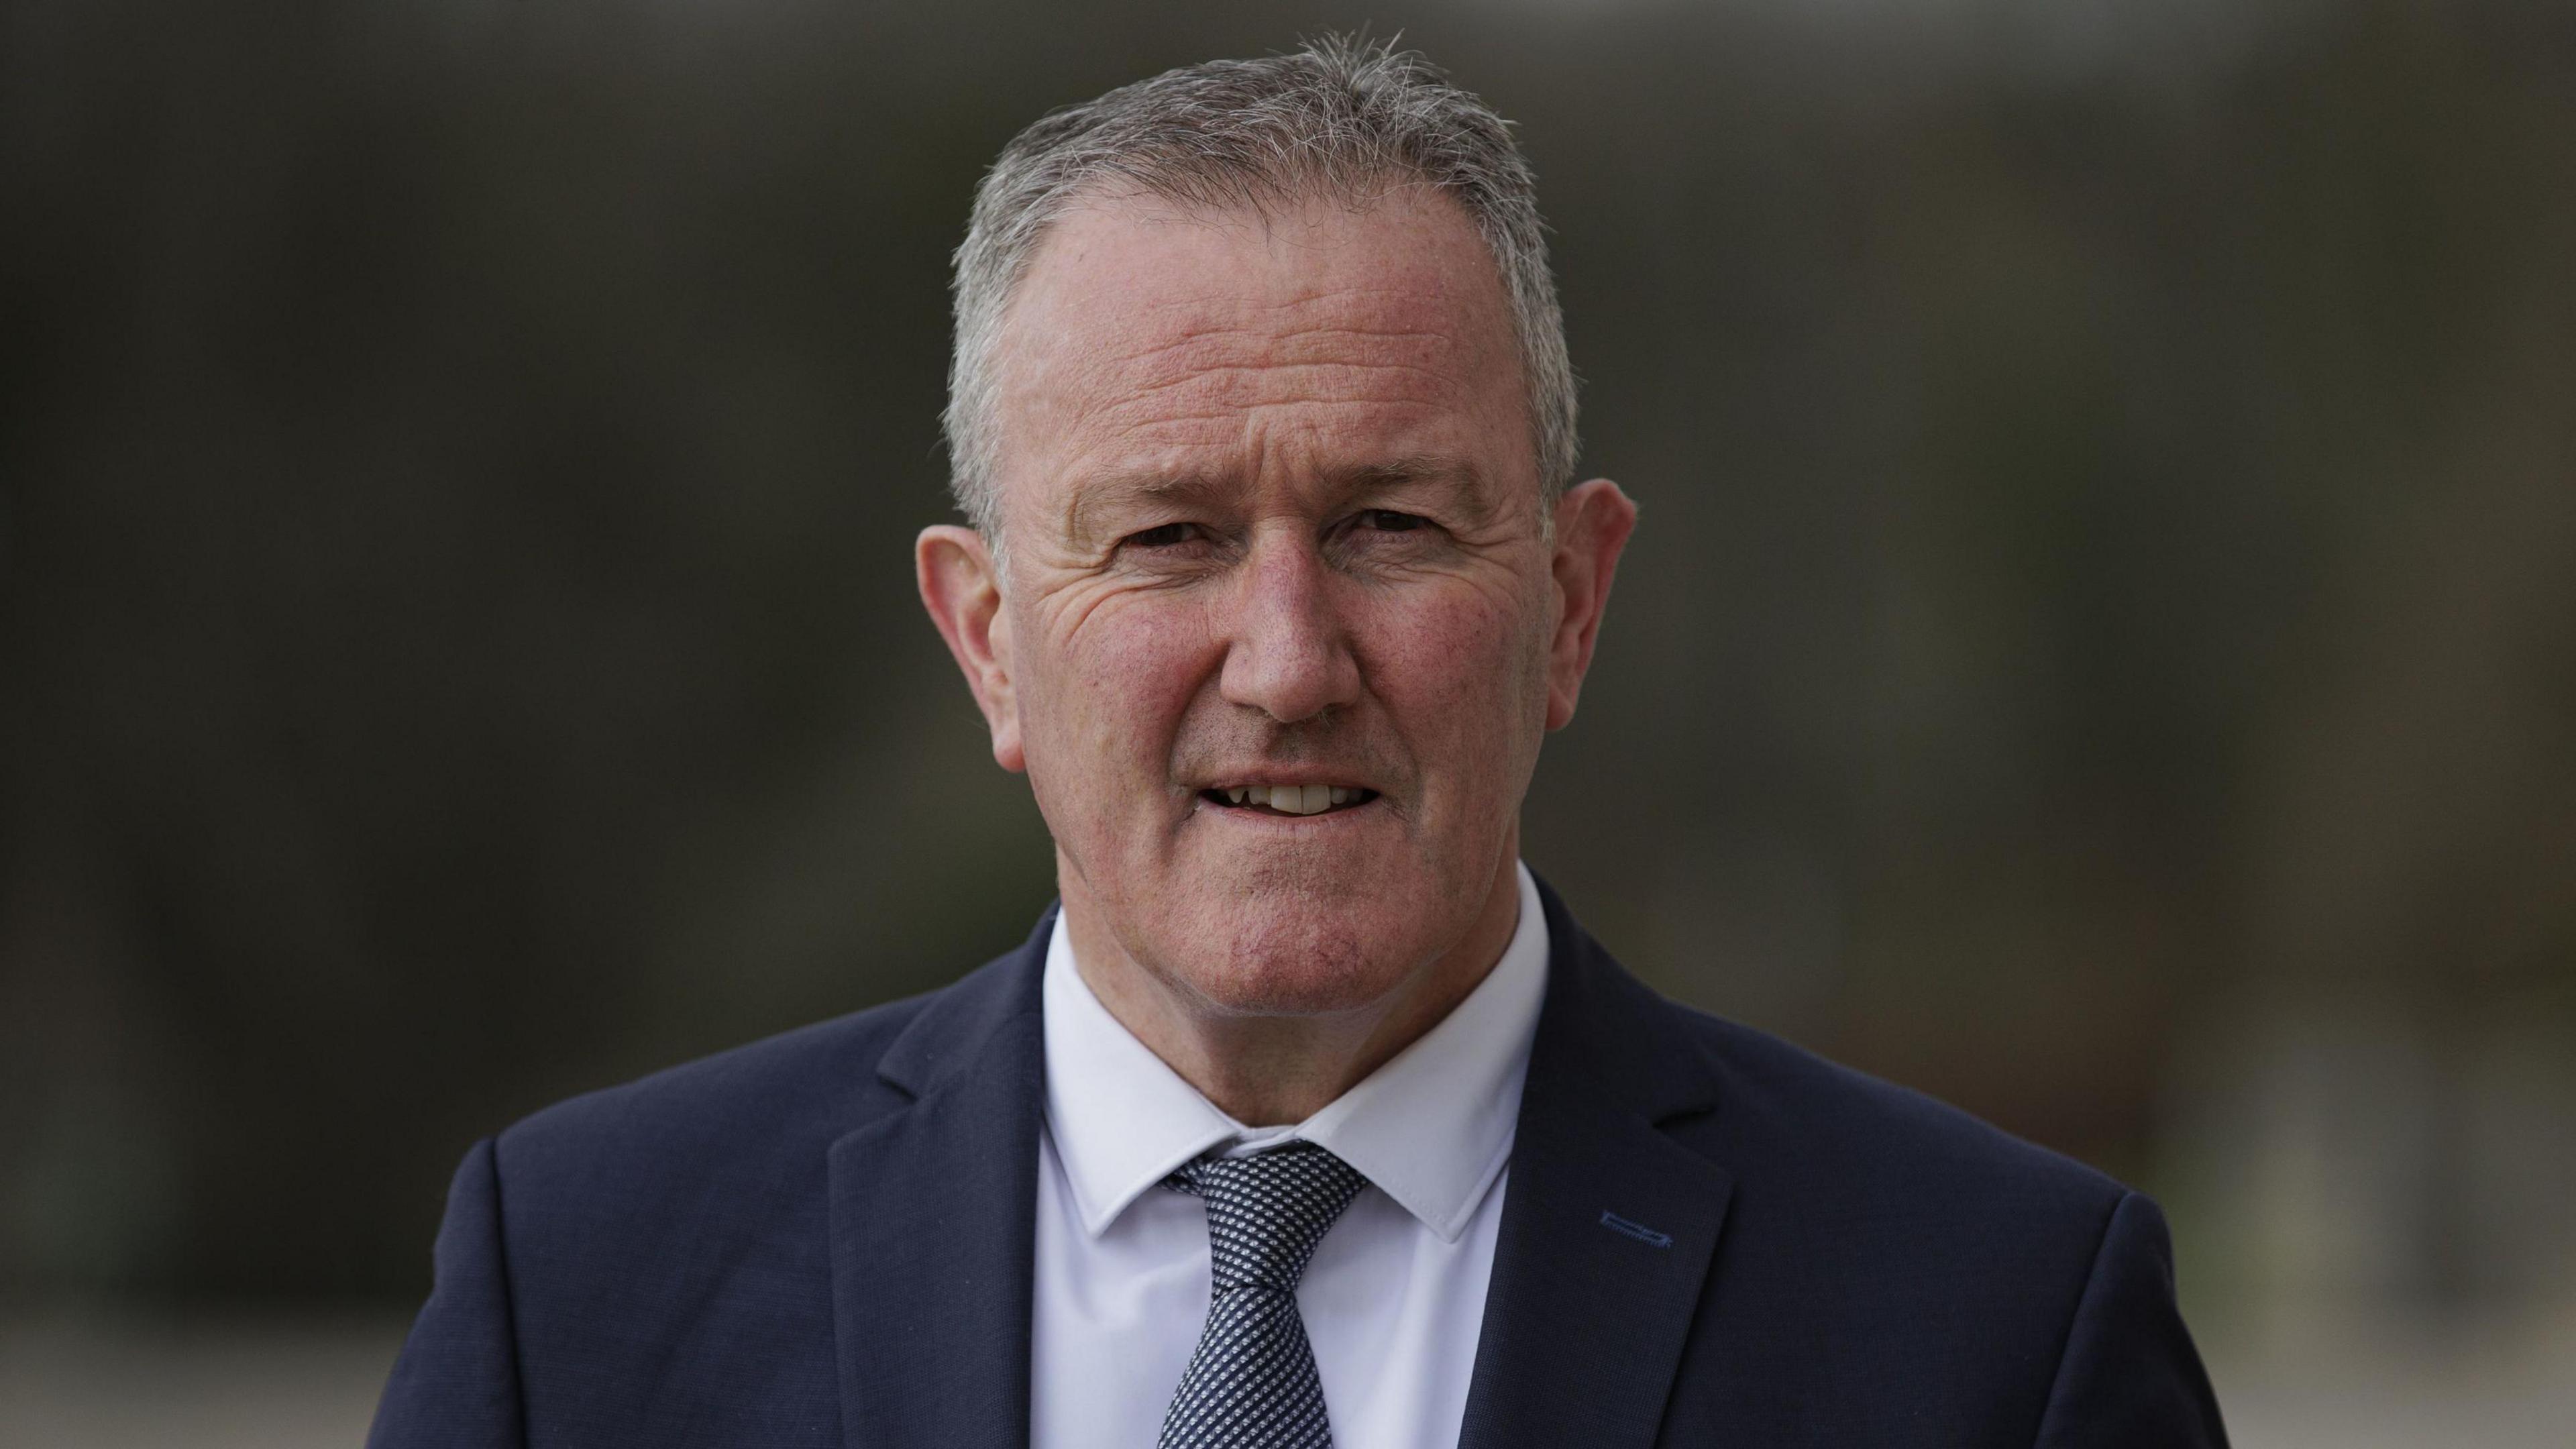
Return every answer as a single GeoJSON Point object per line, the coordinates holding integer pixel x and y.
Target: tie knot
{"type": "Point", "coordinates": [1267, 1212]}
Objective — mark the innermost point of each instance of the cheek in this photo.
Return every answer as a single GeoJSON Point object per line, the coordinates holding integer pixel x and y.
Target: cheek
{"type": "Point", "coordinates": [1110, 693]}
{"type": "Point", "coordinates": [1464, 671]}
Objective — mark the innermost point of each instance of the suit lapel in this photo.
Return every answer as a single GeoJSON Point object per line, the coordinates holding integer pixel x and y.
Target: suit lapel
{"type": "Point", "coordinates": [1609, 1225]}
{"type": "Point", "coordinates": [933, 1221]}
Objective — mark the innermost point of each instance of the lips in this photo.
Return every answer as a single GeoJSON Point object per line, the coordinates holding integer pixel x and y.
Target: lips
{"type": "Point", "coordinates": [1298, 799]}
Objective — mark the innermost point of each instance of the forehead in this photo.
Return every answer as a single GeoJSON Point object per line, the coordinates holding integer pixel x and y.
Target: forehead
{"type": "Point", "coordinates": [1317, 339]}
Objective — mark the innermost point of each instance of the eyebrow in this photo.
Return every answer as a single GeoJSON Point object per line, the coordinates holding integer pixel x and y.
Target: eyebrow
{"type": "Point", "coordinates": [1455, 477]}
{"type": "Point", "coordinates": [1116, 490]}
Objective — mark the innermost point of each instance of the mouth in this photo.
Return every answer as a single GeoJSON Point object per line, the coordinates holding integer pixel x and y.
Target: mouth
{"type": "Point", "coordinates": [1299, 800]}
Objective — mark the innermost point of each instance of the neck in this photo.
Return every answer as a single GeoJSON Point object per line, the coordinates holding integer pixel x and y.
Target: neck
{"type": "Point", "coordinates": [1277, 1070]}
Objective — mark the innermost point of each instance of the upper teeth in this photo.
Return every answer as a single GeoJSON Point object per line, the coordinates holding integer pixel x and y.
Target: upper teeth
{"type": "Point", "coordinates": [1291, 799]}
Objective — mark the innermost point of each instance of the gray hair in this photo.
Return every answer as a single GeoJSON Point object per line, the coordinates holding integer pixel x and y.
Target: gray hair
{"type": "Point", "coordinates": [1336, 118]}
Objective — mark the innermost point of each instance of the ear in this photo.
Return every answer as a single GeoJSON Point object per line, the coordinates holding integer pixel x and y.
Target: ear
{"type": "Point", "coordinates": [1593, 521]}
{"type": "Point", "coordinates": [964, 596]}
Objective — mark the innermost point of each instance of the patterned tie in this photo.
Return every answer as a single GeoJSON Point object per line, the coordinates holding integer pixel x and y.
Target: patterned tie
{"type": "Point", "coordinates": [1251, 1383]}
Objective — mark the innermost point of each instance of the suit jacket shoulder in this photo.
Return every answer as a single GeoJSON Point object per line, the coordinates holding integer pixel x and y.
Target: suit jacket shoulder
{"type": "Point", "coordinates": [1988, 1290]}
{"type": "Point", "coordinates": [1836, 1128]}
{"type": "Point", "coordinates": [758, 1102]}
{"type": "Point", "coordinates": [653, 1263]}
{"type": "Point", "coordinates": [1831, 1259]}
{"type": "Point", "coordinates": [735, 1116]}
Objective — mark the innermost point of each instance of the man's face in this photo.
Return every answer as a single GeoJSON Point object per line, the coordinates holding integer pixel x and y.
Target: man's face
{"type": "Point", "coordinates": [1274, 646]}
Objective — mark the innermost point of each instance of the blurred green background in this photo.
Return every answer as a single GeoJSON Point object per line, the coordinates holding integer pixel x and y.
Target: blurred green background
{"type": "Point", "coordinates": [2100, 647]}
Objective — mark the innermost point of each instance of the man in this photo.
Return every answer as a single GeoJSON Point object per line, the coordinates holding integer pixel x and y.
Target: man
{"type": "Point", "coordinates": [1308, 1117]}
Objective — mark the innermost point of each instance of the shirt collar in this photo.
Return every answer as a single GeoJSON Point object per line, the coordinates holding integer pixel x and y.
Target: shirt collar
{"type": "Point", "coordinates": [1431, 1128]}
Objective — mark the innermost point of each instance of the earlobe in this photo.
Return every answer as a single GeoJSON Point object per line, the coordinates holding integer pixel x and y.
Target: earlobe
{"type": "Point", "coordinates": [1593, 521]}
{"type": "Point", "coordinates": [1002, 715]}
{"type": "Point", "coordinates": [962, 593]}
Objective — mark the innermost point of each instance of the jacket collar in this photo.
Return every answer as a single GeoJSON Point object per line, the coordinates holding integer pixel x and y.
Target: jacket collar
{"type": "Point", "coordinates": [960, 1023]}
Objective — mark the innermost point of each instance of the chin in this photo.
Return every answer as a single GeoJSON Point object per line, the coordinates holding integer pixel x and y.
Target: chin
{"type": "Point", "coordinates": [1292, 960]}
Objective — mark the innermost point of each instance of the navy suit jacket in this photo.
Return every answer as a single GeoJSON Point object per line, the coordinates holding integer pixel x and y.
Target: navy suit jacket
{"type": "Point", "coordinates": [1709, 1237]}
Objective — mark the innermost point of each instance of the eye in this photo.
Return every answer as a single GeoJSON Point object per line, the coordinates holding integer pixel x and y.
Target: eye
{"type": "Point", "coordinates": [1387, 520]}
{"type": "Point", "coordinates": [1163, 536]}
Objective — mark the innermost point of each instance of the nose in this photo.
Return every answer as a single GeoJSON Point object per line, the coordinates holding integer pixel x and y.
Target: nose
{"type": "Point", "coordinates": [1287, 652]}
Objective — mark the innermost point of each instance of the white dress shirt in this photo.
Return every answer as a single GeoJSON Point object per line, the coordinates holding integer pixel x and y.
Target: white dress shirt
{"type": "Point", "coordinates": [1395, 1296]}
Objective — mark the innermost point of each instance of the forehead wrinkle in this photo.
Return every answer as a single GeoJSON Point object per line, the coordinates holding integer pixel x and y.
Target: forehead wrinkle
{"type": "Point", "coordinates": [1212, 371]}
{"type": "Point", "coordinates": [1422, 308]}
{"type": "Point", "coordinates": [1214, 349]}
{"type": "Point", "coordinates": [1231, 381]}
{"type": "Point", "coordinates": [1180, 384]}
{"type": "Point", "coordinates": [1285, 339]}
{"type": "Point", "coordinates": [1232, 443]}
